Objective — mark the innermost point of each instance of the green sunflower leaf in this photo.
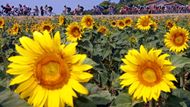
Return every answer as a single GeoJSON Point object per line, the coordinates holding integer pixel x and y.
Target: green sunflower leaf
{"type": "Point", "coordinates": [123, 100]}
{"type": "Point", "coordinates": [179, 61]}
{"type": "Point", "coordinates": [10, 99]}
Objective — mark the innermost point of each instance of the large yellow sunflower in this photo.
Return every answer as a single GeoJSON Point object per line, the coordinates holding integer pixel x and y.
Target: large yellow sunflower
{"type": "Point", "coordinates": [2, 22]}
{"type": "Point", "coordinates": [128, 21]}
{"type": "Point", "coordinates": [73, 32]}
{"type": "Point", "coordinates": [48, 73]}
{"type": "Point", "coordinates": [87, 21]}
{"type": "Point", "coordinates": [144, 23]}
{"type": "Point", "coordinates": [147, 73]}
{"type": "Point", "coordinates": [176, 39]}
{"type": "Point", "coordinates": [120, 24]}
{"type": "Point", "coordinates": [61, 20]}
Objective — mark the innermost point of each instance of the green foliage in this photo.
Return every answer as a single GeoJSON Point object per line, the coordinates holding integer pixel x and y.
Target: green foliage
{"type": "Point", "coordinates": [179, 61]}
{"type": "Point", "coordinates": [122, 100]}
{"type": "Point", "coordinates": [105, 4]}
{"type": "Point", "coordinates": [135, 2]}
{"type": "Point", "coordinates": [10, 99]}
{"type": "Point", "coordinates": [183, 1]}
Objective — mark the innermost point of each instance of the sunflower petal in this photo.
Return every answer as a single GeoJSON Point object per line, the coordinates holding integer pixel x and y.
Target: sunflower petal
{"type": "Point", "coordinates": [21, 78]}
{"type": "Point", "coordinates": [70, 49]}
{"type": "Point", "coordinates": [78, 87]}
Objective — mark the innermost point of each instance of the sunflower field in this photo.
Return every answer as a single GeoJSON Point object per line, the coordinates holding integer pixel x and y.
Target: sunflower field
{"type": "Point", "coordinates": [87, 61]}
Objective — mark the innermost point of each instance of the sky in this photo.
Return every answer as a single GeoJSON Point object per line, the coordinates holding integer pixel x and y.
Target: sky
{"type": "Point", "coordinates": [56, 4]}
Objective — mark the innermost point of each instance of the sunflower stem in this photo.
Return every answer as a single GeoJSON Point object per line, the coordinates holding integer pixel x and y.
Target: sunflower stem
{"type": "Point", "coordinates": [150, 103]}
{"type": "Point", "coordinates": [182, 82]}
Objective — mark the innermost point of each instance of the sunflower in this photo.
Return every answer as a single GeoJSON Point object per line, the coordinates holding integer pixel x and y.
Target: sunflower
{"type": "Point", "coordinates": [128, 21]}
{"type": "Point", "coordinates": [147, 73]}
{"type": "Point", "coordinates": [120, 24]}
{"type": "Point", "coordinates": [46, 26]}
{"type": "Point", "coordinates": [170, 24]}
{"type": "Point", "coordinates": [176, 19]}
{"type": "Point", "coordinates": [34, 27]}
{"type": "Point", "coordinates": [103, 30]}
{"type": "Point", "coordinates": [48, 73]}
{"type": "Point", "coordinates": [61, 20]}
{"type": "Point", "coordinates": [27, 29]}
{"type": "Point", "coordinates": [154, 25]}
{"type": "Point", "coordinates": [87, 21]}
{"type": "Point", "coordinates": [113, 23]}
{"type": "Point", "coordinates": [2, 22]}
{"type": "Point", "coordinates": [104, 20]}
{"type": "Point", "coordinates": [176, 39]}
{"type": "Point", "coordinates": [15, 29]}
{"type": "Point", "coordinates": [73, 32]}
{"type": "Point", "coordinates": [133, 39]}
{"type": "Point", "coordinates": [144, 23]}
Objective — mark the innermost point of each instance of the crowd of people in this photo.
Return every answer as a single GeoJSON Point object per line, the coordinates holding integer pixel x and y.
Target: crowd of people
{"type": "Point", "coordinates": [8, 10]}
{"type": "Point", "coordinates": [129, 9]}
{"type": "Point", "coordinates": [153, 9]}
{"type": "Point", "coordinates": [24, 10]}
{"type": "Point", "coordinates": [77, 11]}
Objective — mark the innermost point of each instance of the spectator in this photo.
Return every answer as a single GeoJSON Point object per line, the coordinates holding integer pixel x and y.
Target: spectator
{"type": "Point", "coordinates": [46, 10]}
{"type": "Point", "coordinates": [98, 10]}
{"type": "Point", "coordinates": [50, 10]}
{"type": "Point", "coordinates": [42, 11]}
{"type": "Point", "coordinates": [7, 9]}
{"type": "Point", "coordinates": [20, 9]}
{"type": "Point", "coordinates": [67, 10]}
{"type": "Point", "coordinates": [79, 10]}
{"type": "Point", "coordinates": [122, 10]}
{"type": "Point", "coordinates": [36, 11]}
{"type": "Point", "coordinates": [111, 10]}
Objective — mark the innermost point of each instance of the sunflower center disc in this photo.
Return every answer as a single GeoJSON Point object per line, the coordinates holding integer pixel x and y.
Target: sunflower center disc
{"type": "Point", "coordinates": [76, 32]}
{"type": "Point", "coordinates": [61, 20]}
{"type": "Point", "coordinates": [127, 21]}
{"type": "Point", "coordinates": [47, 28]}
{"type": "Point", "coordinates": [179, 39]}
{"type": "Point", "coordinates": [103, 30]}
{"type": "Point", "coordinates": [15, 29]}
{"type": "Point", "coordinates": [149, 75]}
{"type": "Point", "coordinates": [88, 22]}
{"type": "Point", "coordinates": [121, 24]}
{"type": "Point", "coordinates": [52, 72]}
{"type": "Point", "coordinates": [145, 22]}
{"type": "Point", "coordinates": [170, 25]}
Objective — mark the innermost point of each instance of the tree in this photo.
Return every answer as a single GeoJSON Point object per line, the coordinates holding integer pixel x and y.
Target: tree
{"type": "Point", "coordinates": [105, 4]}
{"type": "Point", "coordinates": [183, 1]}
{"type": "Point", "coordinates": [134, 2]}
